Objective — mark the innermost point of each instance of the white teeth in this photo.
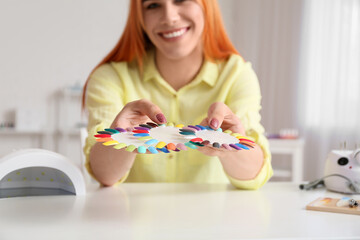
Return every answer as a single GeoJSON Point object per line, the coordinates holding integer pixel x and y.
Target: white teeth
{"type": "Point", "coordinates": [174, 34]}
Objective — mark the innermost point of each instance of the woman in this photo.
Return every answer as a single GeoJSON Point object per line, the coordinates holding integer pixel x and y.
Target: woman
{"type": "Point", "coordinates": [175, 63]}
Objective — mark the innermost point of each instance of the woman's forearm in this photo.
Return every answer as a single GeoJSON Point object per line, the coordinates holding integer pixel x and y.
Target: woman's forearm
{"type": "Point", "coordinates": [243, 164]}
{"type": "Point", "coordinates": [109, 165]}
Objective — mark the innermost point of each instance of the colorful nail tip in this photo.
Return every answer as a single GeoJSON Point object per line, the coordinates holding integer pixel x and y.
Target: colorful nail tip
{"type": "Point", "coordinates": [109, 143]}
{"type": "Point", "coordinates": [141, 134]}
{"type": "Point", "coordinates": [197, 140]}
{"type": "Point", "coordinates": [192, 134]}
{"type": "Point", "coordinates": [206, 142]}
{"type": "Point", "coordinates": [201, 127]}
{"type": "Point", "coordinates": [102, 135]}
{"type": "Point", "coordinates": [145, 138]}
{"type": "Point", "coordinates": [187, 130]}
{"type": "Point", "coordinates": [181, 146]}
{"type": "Point", "coordinates": [190, 145]}
{"type": "Point", "coordinates": [246, 144]}
{"type": "Point", "coordinates": [145, 126]}
{"type": "Point", "coordinates": [245, 139]}
{"type": "Point", "coordinates": [219, 130]}
{"type": "Point", "coordinates": [130, 148]}
{"type": "Point", "coordinates": [180, 126]}
{"type": "Point", "coordinates": [151, 141]}
{"type": "Point", "coordinates": [160, 145]}
{"type": "Point", "coordinates": [164, 150]}
{"type": "Point", "coordinates": [197, 144]}
{"type": "Point", "coordinates": [154, 125]}
{"type": "Point", "coordinates": [226, 146]}
{"type": "Point", "coordinates": [120, 145]}
{"type": "Point", "coordinates": [171, 146]}
{"type": "Point", "coordinates": [216, 145]}
{"type": "Point", "coordinates": [153, 150]}
{"type": "Point", "coordinates": [105, 132]}
{"type": "Point", "coordinates": [141, 149]}
{"type": "Point", "coordinates": [242, 146]}
{"type": "Point", "coordinates": [120, 129]}
{"type": "Point", "coordinates": [142, 128]}
{"type": "Point", "coordinates": [234, 146]}
{"type": "Point", "coordinates": [140, 131]}
{"type": "Point", "coordinates": [194, 127]}
{"type": "Point", "coordinates": [104, 139]}
{"type": "Point", "coordinates": [187, 133]}
{"type": "Point", "coordinates": [111, 130]}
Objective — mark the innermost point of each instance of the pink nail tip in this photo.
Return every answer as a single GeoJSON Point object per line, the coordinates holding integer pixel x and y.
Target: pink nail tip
{"type": "Point", "coordinates": [214, 123]}
{"type": "Point", "coordinates": [161, 118]}
{"type": "Point", "coordinates": [181, 146]}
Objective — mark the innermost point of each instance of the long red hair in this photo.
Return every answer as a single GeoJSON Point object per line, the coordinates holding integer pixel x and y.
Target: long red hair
{"type": "Point", "coordinates": [134, 42]}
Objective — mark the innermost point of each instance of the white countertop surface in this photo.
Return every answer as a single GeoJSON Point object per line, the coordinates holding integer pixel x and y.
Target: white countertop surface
{"type": "Point", "coordinates": [176, 211]}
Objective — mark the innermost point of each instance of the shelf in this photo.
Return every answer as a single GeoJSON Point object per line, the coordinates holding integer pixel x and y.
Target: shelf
{"type": "Point", "coordinates": [282, 173]}
{"type": "Point", "coordinates": [15, 132]}
{"type": "Point", "coordinates": [294, 147]}
{"type": "Point", "coordinates": [69, 132]}
{"type": "Point", "coordinates": [274, 142]}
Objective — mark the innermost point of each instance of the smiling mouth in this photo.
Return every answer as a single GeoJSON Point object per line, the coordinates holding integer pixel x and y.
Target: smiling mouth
{"type": "Point", "coordinates": [174, 34]}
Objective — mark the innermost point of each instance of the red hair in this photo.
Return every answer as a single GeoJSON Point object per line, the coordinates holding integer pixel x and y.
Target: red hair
{"type": "Point", "coordinates": [134, 42]}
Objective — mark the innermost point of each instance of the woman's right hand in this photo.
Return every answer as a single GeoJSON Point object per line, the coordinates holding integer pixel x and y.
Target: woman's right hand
{"type": "Point", "coordinates": [138, 112]}
{"type": "Point", "coordinates": [104, 161]}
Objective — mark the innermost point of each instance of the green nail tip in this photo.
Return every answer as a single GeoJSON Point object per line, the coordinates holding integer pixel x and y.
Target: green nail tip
{"type": "Point", "coordinates": [197, 144]}
{"type": "Point", "coordinates": [130, 148]}
{"type": "Point", "coordinates": [111, 130]}
{"type": "Point", "coordinates": [187, 133]}
{"type": "Point", "coordinates": [190, 145]}
{"type": "Point", "coordinates": [141, 149]}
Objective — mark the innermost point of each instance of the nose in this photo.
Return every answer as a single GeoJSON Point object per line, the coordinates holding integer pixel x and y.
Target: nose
{"type": "Point", "coordinates": [170, 13]}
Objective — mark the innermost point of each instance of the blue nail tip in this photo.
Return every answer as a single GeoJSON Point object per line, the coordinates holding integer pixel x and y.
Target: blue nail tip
{"type": "Point", "coordinates": [141, 135]}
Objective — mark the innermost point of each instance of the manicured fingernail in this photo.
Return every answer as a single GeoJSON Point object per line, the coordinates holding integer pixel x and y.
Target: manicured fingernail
{"type": "Point", "coordinates": [214, 123]}
{"type": "Point", "coordinates": [161, 118]}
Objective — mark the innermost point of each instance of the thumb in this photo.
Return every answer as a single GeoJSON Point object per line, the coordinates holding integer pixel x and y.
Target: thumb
{"type": "Point", "coordinates": [149, 109]}
{"type": "Point", "coordinates": [216, 114]}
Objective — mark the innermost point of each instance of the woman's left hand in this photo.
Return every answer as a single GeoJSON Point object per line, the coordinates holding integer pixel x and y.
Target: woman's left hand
{"type": "Point", "coordinates": [221, 116]}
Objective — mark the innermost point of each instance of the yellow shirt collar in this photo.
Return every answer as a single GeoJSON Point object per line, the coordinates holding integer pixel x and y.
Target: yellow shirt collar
{"type": "Point", "coordinates": [209, 72]}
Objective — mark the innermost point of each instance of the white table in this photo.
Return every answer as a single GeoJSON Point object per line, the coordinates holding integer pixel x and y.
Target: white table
{"type": "Point", "coordinates": [294, 147]}
{"type": "Point", "coordinates": [176, 211]}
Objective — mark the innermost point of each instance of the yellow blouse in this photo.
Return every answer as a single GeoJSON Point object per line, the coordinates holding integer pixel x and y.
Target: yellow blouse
{"type": "Point", "coordinates": [232, 82]}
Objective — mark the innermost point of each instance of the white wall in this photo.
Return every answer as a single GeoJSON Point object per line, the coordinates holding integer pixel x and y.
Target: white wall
{"type": "Point", "coordinates": [47, 45]}
{"type": "Point", "coordinates": [267, 33]}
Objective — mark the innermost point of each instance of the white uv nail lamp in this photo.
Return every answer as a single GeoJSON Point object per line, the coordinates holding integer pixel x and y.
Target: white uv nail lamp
{"type": "Point", "coordinates": [38, 172]}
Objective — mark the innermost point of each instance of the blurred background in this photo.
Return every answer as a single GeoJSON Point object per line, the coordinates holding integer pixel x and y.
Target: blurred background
{"type": "Point", "coordinates": [306, 54]}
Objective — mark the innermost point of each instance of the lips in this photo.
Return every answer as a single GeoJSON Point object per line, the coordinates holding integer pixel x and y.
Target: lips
{"type": "Point", "coordinates": [174, 33]}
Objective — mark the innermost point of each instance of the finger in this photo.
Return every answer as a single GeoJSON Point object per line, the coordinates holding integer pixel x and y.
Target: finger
{"type": "Point", "coordinates": [217, 113]}
{"type": "Point", "coordinates": [233, 123]}
{"type": "Point", "coordinates": [204, 122]}
{"type": "Point", "coordinates": [211, 151]}
{"type": "Point", "coordinates": [149, 109]}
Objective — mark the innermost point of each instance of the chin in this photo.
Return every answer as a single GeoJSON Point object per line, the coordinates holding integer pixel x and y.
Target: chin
{"type": "Point", "coordinates": [174, 54]}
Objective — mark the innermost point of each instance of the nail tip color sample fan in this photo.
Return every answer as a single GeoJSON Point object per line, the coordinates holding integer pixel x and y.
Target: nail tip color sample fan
{"type": "Point", "coordinates": [154, 138]}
